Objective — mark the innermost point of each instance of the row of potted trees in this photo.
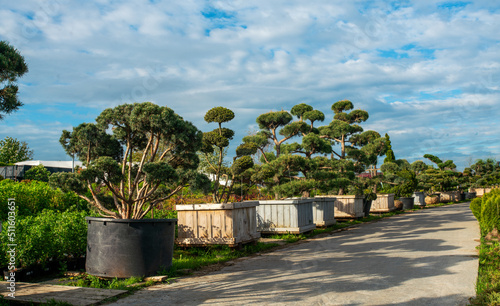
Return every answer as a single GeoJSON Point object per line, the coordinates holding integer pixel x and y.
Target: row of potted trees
{"type": "Point", "coordinates": [153, 153]}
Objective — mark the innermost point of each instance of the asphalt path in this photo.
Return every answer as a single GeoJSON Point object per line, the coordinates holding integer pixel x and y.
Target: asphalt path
{"type": "Point", "coordinates": [427, 257]}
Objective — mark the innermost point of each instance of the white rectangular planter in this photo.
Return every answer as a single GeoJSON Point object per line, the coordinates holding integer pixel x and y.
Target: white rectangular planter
{"type": "Point", "coordinates": [285, 216]}
{"type": "Point", "coordinates": [324, 211]}
{"type": "Point", "coordinates": [383, 203]}
{"type": "Point", "coordinates": [206, 224]}
{"type": "Point", "coordinates": [419, 198]}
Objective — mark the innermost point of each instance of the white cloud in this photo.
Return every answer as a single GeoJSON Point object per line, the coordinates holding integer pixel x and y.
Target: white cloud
{"type": "Point", "coordinates": [262, 56]}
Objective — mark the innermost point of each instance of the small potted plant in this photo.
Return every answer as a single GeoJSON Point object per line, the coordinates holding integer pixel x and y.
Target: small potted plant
{"type": "Point", "coordinates": [406, 189]}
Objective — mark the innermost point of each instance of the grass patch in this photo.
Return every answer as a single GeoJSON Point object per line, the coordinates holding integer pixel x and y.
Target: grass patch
{"type": "Point", "coordinates": [488, 281]}
{"type": "Point", "coordinates": [90, 281]}
{"type": "Point", "coordinates": [194, 258]}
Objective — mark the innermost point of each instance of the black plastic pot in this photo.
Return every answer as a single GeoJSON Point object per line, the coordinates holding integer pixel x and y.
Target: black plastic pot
{"type": "Point", "coordinates": [367, 205]}
{"type": "Point", "coordinates": [470, 195]}
{"type": "Point", "coordinates": [407, 203]}
{"type": "Point", "coordinates": [462, 196]}
{"type": "Point", "coordinates": [123, 247]}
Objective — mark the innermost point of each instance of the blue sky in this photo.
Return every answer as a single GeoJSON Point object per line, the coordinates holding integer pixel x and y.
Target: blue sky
{"type": "Point", "coordinates": [428, 72]}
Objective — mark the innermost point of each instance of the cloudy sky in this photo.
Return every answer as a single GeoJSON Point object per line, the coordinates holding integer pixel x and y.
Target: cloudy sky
{"type": "Point", "coordinates": [428, 72]}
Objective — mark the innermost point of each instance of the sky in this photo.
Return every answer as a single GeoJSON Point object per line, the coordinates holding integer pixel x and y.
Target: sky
{"type": "Point", "coordinates": [427, 72]}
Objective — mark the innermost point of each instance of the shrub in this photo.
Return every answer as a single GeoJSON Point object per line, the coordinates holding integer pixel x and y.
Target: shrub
{"type": "Point", "coordinates": [475, 206]}
{"type": "Point", "coordinates": [49, 235]}
{"type": "Point", "coordinates": [37, 173]}
{"type": "Point", "coordinates": [32, 197]}
{"type": "Point", "coordinates": [487, 211]}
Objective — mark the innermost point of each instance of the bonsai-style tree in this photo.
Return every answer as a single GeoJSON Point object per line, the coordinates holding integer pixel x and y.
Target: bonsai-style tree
{"type": "Point", "coordinates": [483, 173]}
{"type": "Point", "coordinates": [270, 122]}
{"type": "Point", "coordinates": [214, 144]}
{"type": "Point", "coordinates": [12, 67]}
{"type": "Point", "coordinates": [345, 131]}
{"type": "Point", "coordinates": [442, 178]}
{"type": "Point", "coordinates": [343, 126]}
{"type": "Point", "coordinates": [134, 188]}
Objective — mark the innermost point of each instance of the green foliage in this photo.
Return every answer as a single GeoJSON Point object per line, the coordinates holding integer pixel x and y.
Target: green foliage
{"type": "Point", "coordinates": [48, 235]}
{"type": "Point", "coordinates": [390, 157]}
{"type": "Point", "coordinates": [487, 211]}
{"type": "Point", "coordinates": [13, 151]}
{"type": "Point", "coordinates": [12, 66]}
{"type": "Point", "coordinates": [219, 114]}
{"type": "Point", "coordinates": [162, 143]}
{"type": "Point", "coordinates": [447, 165]}
{"type": "Point", "coordinates": [273, 120]}
{"type": "Point", "coordinates": [488, 281]}
{"type": "Point", "coordinates": [37, 173]}
{"type": "Point", "coordinates": [88, 142]}
{"type": "Point", "coordinates": [475, 206]}
{"type": "Point", "coordinates": [32, 197]}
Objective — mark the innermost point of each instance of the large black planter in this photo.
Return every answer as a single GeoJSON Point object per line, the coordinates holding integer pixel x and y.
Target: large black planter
{"type": "Point", "coordinates": [367, 205]}
{"type": "Point", "coordinates": [407, 203]}
{"type": "Point", "coordinates": [123, 247]}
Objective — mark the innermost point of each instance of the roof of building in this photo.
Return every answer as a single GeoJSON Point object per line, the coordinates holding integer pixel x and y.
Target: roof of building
{"type": "Point", "coordinates": [47, 163]}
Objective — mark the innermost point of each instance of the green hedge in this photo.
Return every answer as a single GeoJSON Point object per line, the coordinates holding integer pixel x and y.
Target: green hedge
{"type": "Point", "coordinates": [487, 211]}
{"type": "Point", "coordinates": [50, 234]}
{"type": "Point", "coordinates": [32, 197]}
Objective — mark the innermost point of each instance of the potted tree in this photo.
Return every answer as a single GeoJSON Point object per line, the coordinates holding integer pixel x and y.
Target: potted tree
{"type": "Point", "coordinates": [220, 222]}
{"type": "Point", "coordinates": [406, 189]}
{"type": "Point", "coordinates": [150, 156]}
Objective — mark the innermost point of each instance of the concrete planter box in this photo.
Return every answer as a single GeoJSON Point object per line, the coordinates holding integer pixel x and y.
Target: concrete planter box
{"type": "Point", "coordinates": [480, 191]}
{"type": "Point", "coordinates": [449, 196]}
{"type": "Point", "coordinates": [205, 224]}
{"type": "Point", "coordinates": [285, 216]}
{"type": "Point", "coordinates": [419, 198]}
{"type": "Point", "coordinates": [383, 203]}
{"type": "Point", "coordinates": [349, 206]}
{"type": "Point", "coordinates": [324, 211]}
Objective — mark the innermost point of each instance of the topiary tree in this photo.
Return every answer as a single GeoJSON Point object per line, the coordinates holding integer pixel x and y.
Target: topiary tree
{"type": "Point", "coordinates": [442, 178]}
{"type": "Point", "coordinates": [274, 123]}
{"type": "Point", "coordinates": [12, 67]}
{"type": "Point", "coordinates": [345, 131]}
{"type": "Point", "coordinates": [214, 144]}
{"type": "Point", "coordinates": [37, 173]}
{"type": "Point", "coordinates": [134, 188]}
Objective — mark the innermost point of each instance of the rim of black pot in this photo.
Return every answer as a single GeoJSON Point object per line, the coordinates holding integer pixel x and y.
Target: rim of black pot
{"type": "Point", "coordinates": [103, 219]}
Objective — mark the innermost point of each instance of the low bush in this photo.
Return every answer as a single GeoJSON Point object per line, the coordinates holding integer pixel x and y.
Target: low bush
{"type": "Point", "coordinates": [32, 197]}
{"type": "Point", "coordinates": [487, 211]}
{"type": "Point", "coordinates": [51, 235]}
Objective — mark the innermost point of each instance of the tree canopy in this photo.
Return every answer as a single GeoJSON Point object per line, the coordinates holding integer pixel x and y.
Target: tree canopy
{"type": "Point", "coordinates": [13, 151]}
{"type": "Point", "coordinates": [168, 163]}
{"type": "Point", "coordinates": [12, 67]}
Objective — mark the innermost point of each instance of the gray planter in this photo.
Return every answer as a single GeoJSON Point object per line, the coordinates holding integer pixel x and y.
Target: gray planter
{"type": "Point", "coordinates": [419, 198]}
{"type": "Point", "coordinates": [293, 216]}
{"type": "Point", "coordinates": [324, 211]}
{"type": "Point", "coordinates": [349, 206]}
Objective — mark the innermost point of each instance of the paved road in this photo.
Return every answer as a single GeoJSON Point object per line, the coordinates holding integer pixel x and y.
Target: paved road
{"type": "Point", "coordinates": [421, 258]}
